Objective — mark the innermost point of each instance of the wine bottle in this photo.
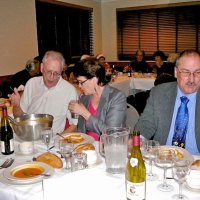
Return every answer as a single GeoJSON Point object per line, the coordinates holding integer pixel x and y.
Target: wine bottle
{"type": "Point", "coordinates": [129, 72]}
{"type": "Point", "coordinates": [136, 172]}
{"type": "Point", "coordinates": [6, 134]}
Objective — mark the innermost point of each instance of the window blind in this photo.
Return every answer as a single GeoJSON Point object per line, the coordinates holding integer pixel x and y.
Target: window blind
{"type": "Point", "coordinates": [65, 28]}
{"type": "Point", "coordinates": [171, 29]}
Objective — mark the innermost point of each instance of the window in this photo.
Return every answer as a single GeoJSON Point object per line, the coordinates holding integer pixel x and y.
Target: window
{"type": "Point", "coordinates": [65, 28]}
{"type": "Point", "coordinates": [171, 29]}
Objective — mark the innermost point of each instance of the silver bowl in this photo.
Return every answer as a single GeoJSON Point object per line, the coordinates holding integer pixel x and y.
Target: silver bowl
{"type": "Point", "coordinates": [29, 126]}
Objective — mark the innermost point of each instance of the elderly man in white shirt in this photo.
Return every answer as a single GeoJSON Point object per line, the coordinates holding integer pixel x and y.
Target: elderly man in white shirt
{"type": "Point", "coordinates": [48, 94]}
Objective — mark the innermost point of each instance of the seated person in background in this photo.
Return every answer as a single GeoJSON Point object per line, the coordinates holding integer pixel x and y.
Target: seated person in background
{"type": "Point", "coordinates": [102, 62]}
{"type": "Point", "coordinates": [159, 120]}
{"type": "Point", "coordinates": [160, 66]}
{"type": "Point", "coordinates": [100, 105]}
{"type": "Point", "coordinates": [140, 65]}
{"type": "Point", "coordinates": [48, 94]}
{"type": "Point", "coordinates": [170, 64]}
{"type": "Point", "coordinates": [32, 69]}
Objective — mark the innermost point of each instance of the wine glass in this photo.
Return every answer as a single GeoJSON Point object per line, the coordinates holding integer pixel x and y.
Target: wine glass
{"type": "Point", "coordinates": [149, 149]}
{"type": "Point", "coordinates": [47, 134]}
{"type": "Point", "coordinates": [66, 150]}
{"type": "Point", "coordinates": [180, 170]}
{"type": "Point", "coordinates": [164, 159]}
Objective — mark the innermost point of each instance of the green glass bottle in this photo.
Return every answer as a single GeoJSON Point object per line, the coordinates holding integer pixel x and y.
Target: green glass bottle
{"type": "Point", "coordinates": [136, 172]}
{"type": "Point", "coordinates": [6, 134]}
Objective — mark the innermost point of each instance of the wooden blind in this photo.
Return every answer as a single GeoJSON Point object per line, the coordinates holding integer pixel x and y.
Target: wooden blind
{"type": "Point", "coordinates": [171, 29]}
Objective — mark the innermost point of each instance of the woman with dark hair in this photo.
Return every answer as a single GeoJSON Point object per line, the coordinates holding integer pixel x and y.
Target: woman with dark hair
{"type": "Point", "coordinates": [100, 105]}
{"type": "Point", "coordinates": [160, 66]}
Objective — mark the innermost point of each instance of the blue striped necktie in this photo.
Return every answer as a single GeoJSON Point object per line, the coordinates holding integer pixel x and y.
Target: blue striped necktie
{"type": "Point", "coordinates": [181, 124]}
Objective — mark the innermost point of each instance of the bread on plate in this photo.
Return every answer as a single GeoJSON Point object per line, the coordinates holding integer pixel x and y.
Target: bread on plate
{"type": "Point", "coordinates": [83, 147]}
{"type": "Point", "coordinates": [196, 165]}
{"type": "Point", "coordinates": [50, 159]}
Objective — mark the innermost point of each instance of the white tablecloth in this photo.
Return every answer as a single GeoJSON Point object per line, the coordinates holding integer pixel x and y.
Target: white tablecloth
{"type": "Point", "coordinates": [129, 85]}
{"type": "Point", "coordinates": [90, 184]}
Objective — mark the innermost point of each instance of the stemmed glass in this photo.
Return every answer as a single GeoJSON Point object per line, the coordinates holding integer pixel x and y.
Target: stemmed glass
{"type": "Point", "coordinates": [164, 159]}
{"type": "Point", "coordinates": [149, 149]}
{"type": "Point", "coordinates": [180, 170]}
{"type": "Point", "coordinates": [47, 135]}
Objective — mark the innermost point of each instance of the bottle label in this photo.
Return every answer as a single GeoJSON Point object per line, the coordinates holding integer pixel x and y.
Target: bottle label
{"type": "Point", "coordinates": [135, 191]}
{"type": "Point", "coordinates": [3, 148]}
{"type": "Point", "coordinates": [133, 162]}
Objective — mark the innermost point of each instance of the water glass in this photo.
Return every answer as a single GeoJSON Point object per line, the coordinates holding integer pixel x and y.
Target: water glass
{"type": "Point", "coordinates": [79, 161]}
{"type": "Point", "coordinates": [47, 135]}
{"type": "Point", "coordinates": [164, 159]}
{"type": "Point", "coordinates": [180, 170]}
{"type": "Point", "coordinates": [149, 150]}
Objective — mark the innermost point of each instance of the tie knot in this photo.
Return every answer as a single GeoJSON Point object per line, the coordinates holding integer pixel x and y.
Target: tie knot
{"type": "Point", "coordinates": [184, 100]}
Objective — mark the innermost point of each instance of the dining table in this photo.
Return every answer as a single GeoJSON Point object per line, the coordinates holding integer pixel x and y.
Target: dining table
{"type": "Point", "coordinates": [90, 183]}
{"type": "Point", "coordinates": [131, 85]}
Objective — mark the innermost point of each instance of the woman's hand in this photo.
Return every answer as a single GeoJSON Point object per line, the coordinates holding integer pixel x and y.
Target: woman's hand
{"type": "Point", "coordinates": [79, 108]}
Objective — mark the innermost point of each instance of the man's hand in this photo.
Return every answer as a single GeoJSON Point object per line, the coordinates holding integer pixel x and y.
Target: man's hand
{"type": "Point", "coordinates": [15, 98]}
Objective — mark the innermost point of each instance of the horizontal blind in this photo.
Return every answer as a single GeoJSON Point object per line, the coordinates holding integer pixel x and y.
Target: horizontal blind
{"type": "Point", "coordinates": [148, 32]}
{"type": "Point", "coordinates": [167, 29]}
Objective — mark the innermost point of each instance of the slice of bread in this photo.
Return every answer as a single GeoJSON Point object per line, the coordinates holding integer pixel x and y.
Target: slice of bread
{"type": "Point", "coordinates": [74, 138]}
{"type": "Point", "coordinates": [83, 147]}
{"type": "Point", "coordinates": [196, 165]}
{"type": "Point", "coordinates": [50, 159]}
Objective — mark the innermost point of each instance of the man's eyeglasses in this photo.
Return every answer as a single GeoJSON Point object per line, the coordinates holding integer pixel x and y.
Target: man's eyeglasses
{"type": "Point", "coordinates": [81, 82]}
{"type": "Point", "coordinates": [54, 74]}
{"type": "Point", "coordinates": [186, 74]}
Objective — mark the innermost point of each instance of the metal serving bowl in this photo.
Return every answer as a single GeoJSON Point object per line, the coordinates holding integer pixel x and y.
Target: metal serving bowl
{"type": "Point", "coordinates": [29, 126]}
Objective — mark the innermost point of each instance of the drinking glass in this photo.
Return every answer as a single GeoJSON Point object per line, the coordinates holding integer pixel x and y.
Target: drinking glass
{"type": "Point", "coordinates": [180, 170]}
{"type": "Point", "coordinates": [164, 159]}
{"type": "Point", "coordinates": [47, 135]}
{"type": "Point", "coordinates": [66, 150]}
{"type": "Point", "coordinates": [149, 149]}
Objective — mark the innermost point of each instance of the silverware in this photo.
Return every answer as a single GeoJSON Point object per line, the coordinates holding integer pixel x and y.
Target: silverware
{"type": "Point", "coordinates": [8, 162]}
{"type": "Point", "coordinates": [60, 135]}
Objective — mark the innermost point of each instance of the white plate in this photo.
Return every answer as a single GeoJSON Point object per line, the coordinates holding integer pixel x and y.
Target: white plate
{"type": "Point", "coordinates": [184, 152]}
{"type": "Point", "coordinates": [87, 138]}
{"type": "Point", "coordinates": [8, 173]}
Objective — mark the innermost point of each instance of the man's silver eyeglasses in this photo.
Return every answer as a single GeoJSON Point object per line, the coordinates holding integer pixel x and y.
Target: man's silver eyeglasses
{"type": "Point", "coordinates": [54, 74]}
{"type": "Point", "coordinates": [81, 82]}
{"type": "Point", "coordinates": [186, 74]}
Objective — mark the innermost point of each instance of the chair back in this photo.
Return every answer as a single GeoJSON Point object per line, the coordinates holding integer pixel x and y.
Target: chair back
{"type": "Point", "coordinates": [132, 117]}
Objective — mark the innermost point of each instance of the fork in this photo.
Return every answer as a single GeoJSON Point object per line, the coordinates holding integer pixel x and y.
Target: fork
{"type": "Point", "coordinates": [7, 163]}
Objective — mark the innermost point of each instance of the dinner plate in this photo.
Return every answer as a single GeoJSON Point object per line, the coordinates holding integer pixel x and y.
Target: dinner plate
{"type": "Point", "coordinates": [27, 173]}
{"type": "Point", "coordinates": [180, 153]}
{"type": "Point", "coordinates": [86, 138]}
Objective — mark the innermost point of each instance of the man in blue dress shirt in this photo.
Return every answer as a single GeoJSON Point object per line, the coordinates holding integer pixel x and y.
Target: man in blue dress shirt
{"type": "Point", "coordinates": [158, 119]}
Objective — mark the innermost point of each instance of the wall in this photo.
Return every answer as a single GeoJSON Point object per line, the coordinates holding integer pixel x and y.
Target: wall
{"type": "Point", "coordinates": [18, 33]}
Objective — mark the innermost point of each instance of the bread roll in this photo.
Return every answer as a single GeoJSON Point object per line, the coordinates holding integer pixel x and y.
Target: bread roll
{"type": "Point", "coordinates": [74, 138]}
{"type": "Point", "coordinates": [83, 147]}
{"type": "Point", "coordinates": [50, 159]}
{"type": "Point", "coordinates": [196, 163]}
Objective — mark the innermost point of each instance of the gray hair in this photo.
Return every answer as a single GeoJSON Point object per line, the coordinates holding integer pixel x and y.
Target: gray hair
{"type": "Point", "coordinates": [55, 55]}
{"type": "Point", "coordinates": [186, 53]}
